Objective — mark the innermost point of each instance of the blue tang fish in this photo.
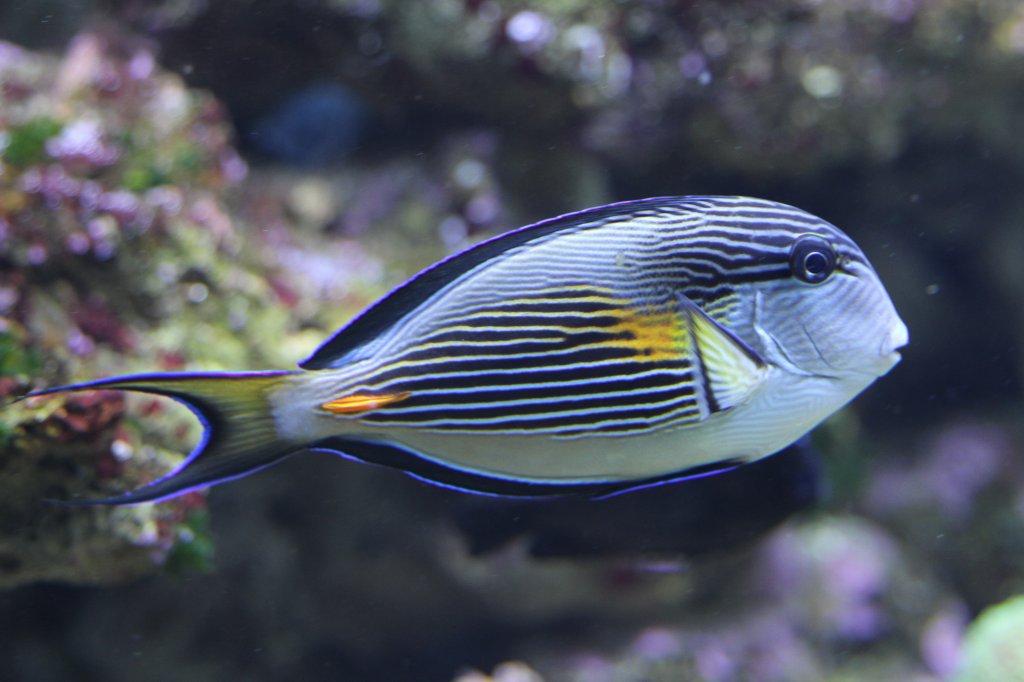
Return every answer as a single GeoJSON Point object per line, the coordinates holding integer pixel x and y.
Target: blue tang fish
{"type": "Point", "coordinates": [600, 351]}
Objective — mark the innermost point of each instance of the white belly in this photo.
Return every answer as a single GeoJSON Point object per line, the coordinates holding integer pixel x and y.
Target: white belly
{"type": "Point", "coordinates": [784, 408]}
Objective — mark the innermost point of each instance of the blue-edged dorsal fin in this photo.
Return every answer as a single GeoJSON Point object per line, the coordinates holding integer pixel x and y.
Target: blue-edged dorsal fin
{"type": "Point", "coordinates": [343, 347]}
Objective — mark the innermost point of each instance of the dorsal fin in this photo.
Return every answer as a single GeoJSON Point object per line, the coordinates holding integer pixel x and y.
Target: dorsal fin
{"type": "Point", "coordinates": [342, 348]}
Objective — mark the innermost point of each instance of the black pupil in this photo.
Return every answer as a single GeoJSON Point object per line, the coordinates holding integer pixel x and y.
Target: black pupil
{"type": "Point", "coordinates": [811, 259]}
{"type": "Point", "coordinates": [816, 263]}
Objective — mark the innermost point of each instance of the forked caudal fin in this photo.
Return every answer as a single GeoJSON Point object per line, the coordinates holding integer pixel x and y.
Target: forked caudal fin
{"type": "Point", "coordinates": [239, 433]}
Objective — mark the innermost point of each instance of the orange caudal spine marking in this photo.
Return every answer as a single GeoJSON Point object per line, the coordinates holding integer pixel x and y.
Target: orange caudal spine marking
{"type": "Point", "coordinates": [359, 403]}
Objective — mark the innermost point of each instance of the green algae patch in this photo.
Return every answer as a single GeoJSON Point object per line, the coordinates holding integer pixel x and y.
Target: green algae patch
{"type": "Point", "coordinates": [26, 143]}
{"type": "Point", "coordinates": [16, 359]}
{"type": "Point", "coordinates": [193, 551]}
{"type": "Point", "coordinates": [992, 650]}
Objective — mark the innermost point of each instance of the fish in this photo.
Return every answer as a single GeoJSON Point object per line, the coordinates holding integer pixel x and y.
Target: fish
{"type": "Point", "coordinates": [595, 353]}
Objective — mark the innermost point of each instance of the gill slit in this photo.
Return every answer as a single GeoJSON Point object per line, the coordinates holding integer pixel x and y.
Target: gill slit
{"type": "Point", "coordinates": [777, 354]}
{"type": "Point", "coordinates": [818, 351]}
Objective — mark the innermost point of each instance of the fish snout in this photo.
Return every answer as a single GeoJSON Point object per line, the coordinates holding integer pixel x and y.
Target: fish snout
{"type": "Point", "coordinates": [899, 336]}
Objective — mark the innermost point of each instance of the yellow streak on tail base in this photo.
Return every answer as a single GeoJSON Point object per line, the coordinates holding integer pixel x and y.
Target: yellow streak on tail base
{"type": "Point", "coordinates": [360, 403]}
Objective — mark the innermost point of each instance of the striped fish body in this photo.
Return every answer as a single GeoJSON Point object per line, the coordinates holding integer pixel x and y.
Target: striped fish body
{"type": "Point", "coordinates": [610, 348]}
{"type": "Point", "coordinates": [597, 349]}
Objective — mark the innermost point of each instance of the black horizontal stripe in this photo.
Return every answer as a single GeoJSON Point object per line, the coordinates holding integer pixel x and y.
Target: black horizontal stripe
{"type": "Point", "coordinates": [563, 292]}
{"type": "Point", "coordinates": [695, 280]}
{"type": "Point", "coordinates": [485, 335]}
{"type": "Point", "coordinates": [485, 394]}
{"type": "Point", "coordinates": [723, 255]}
{"type": "Point", "coordinates": [556, 319]}
{"type": "Point", "coordinates": [530, 348]}
{"type": "Point", "coordinates": [507, 373]}
{"type": "Point", "coordinates": [545, 420]}
{"type": "Point", "coordinates": [434, 363]}
{"type": "Point", "coordinates": [622, 428]}
{"type": "Point", "coordinates": [691, 414]}
{"type": "Point", "coordinates": [571, 306]}
{"type": "Point", "coordinates": [722, 268]}
{"type": "Point", "coordinates": [528, 352]}
{"type": "Point", "coordinates": [429, 410]}
{"type": "Point", "coordinates": [521, 349]}
{"type": "Point", "coordinates": [708, 295]}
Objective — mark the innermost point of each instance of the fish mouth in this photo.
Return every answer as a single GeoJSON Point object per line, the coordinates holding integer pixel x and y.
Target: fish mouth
{"type": "Point", "coordinates": [889, 353]}
{"type": "Point", "coordinates": [899, 336]}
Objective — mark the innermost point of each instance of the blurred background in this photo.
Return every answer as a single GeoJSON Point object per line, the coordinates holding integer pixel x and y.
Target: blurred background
{"type": "Point", "coordinates": [220, 185]}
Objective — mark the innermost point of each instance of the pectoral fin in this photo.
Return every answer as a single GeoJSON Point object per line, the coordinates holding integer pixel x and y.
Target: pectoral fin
{"type": "Point", "coordinates": [729, 369]}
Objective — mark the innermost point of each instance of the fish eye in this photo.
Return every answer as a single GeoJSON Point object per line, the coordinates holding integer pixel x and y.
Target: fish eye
{"type": "Point", "coordinates": [812, 259]}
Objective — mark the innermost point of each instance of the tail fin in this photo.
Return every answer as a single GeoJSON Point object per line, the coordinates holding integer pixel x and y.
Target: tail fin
{"type": "Point", "coordinates": [240, 436]}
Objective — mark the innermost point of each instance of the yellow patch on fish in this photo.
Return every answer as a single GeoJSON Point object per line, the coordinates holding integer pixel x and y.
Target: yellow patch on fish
{"type": "Point", "coordinates": [359, 403]}
{"type": "Point", "coordinates": [728, 371]}
{"type": "Point", "coordinates": [654, 335]}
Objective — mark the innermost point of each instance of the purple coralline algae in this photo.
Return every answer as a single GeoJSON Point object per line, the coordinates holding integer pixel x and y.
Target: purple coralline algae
{"type": "Point", "coordinates": [114, 231]}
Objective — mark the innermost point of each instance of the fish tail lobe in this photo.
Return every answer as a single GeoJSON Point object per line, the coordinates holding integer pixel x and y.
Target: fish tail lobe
{"type": "Point", "coordinates": [240, 435]}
